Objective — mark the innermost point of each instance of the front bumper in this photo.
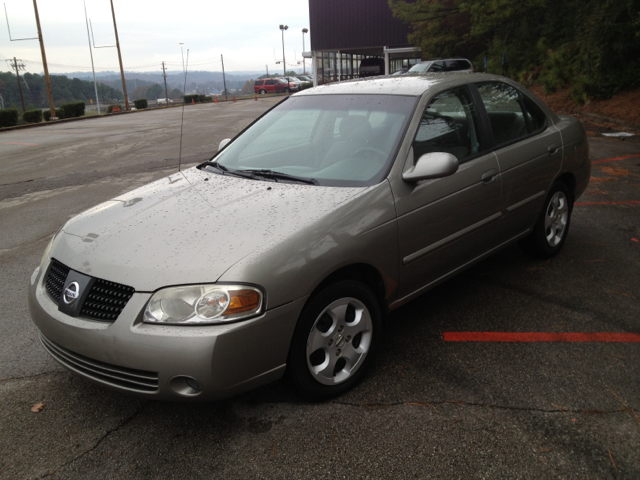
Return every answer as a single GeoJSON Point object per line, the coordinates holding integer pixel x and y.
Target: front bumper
{"type": "Point", "coordinates": [155, 361]}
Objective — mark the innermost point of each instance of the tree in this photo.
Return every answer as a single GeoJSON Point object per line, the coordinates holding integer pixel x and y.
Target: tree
{"type": "Point", "coordinates": [595, 45]}
{"type": "Point", "coordinates": [154, 91]}
{"type": "Point", "coordinates": [63, 89]}
{"type": "Point", "coordinates": [247, 88]}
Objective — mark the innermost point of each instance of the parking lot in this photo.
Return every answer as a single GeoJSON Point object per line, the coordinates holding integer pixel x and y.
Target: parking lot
{"type": "Point", "coordinates": [431, 407]}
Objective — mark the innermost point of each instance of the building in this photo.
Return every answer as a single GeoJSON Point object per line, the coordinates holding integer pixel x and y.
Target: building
{"type": "Point", "coordinates": [344, 32]}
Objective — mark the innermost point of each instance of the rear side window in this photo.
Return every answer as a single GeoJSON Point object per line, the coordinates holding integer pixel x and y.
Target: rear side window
{"type": "Point", "coordinates": [449, 124]}
{"type": "Point", "coordinates": [511, 114]}
{"type": "Point", "coordinates": [504, 108]}
{"type": "Point", "coordinates": [536, 117]}
{"type": "Point", "coordinates": [455, 65]}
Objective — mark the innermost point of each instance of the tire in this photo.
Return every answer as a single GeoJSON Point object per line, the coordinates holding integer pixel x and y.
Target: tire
{"type": "Point", "coordinates": [287, 90]}
{"type": "Point", "coordinates": [262, 91]}
{"type": "Point", "coordinates": [335, 340]}
{"type": "Point", "coordinates": [552, 226]}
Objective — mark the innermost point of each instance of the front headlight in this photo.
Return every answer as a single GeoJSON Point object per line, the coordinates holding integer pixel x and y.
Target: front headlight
{"type": "Point", "coordinates": [203, 304]}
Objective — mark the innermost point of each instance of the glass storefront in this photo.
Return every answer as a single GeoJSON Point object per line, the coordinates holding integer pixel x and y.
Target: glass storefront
{"type": "Point", "coordinates": [337, 66]}
{"type": "Point", "coordinates": [403, 64]}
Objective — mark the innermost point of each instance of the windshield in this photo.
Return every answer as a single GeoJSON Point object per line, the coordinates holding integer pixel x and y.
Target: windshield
{"type": "Point", "coordinates": [420, 67]}
{"type": "Point", "coordinates": [337, 140]}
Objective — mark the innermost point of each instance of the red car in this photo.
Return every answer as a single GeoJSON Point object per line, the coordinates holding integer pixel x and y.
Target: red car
{"type": "Point", "coordinates": [274, 85]}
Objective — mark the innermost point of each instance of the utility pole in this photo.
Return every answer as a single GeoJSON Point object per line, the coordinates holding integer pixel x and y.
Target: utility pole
{"type": "Point", "coordinates": [166, 92]}
{"type": "Point", "coordinates": [224, 81]}
{"type": "Point", "coordinates": [267, 67]}
{"type": "Point", "coordinates": [47, 79]}
{"type": "Point", "coordinates": [15, 66]}
{"type": "Point", "coordinates": [124, 85]}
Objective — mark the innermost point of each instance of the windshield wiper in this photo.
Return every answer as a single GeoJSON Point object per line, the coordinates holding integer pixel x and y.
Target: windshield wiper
{"type": "Point", "coordinates": [228, 171]}
{"type": "Point", "coordinates": [264, 173]}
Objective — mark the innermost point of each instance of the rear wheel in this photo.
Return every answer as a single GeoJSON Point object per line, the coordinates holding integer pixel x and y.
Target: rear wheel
{"type": "Point", "coordinates": [262, 91]}
{"type": "Point", "coordinates": [335, 340]}
{"type": "Point", "coordinates": [552, 227]}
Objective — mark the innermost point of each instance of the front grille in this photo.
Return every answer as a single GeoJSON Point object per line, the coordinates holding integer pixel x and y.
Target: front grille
{"type": "Point", "coordinates": [113, 375]}
{"type": "Point", "coordinates": [104, 301]}
{"type": "Point", "coordinates": [55, 279]}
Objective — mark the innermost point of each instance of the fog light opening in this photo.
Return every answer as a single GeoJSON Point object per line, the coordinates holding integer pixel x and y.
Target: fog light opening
{"type": "Point", "coordinates": [193, 383]}
{"type": "Point", "coordinates": [185, 386]}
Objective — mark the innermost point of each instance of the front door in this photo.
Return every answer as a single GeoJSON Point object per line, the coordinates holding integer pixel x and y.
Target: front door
{"type": "Point", "coordinates": [446, 223]}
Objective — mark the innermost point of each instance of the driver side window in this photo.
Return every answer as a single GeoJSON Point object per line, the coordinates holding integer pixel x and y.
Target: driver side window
{"type": "Point", "coordinates": [449, 124]}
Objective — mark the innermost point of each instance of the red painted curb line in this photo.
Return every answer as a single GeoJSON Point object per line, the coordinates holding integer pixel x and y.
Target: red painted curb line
{"type": "Point", "coordinates": [614, 159]}
{"type": "Point", "coordinates": [540, 337]}
{"type": "Point", "coordinates": [624, 202]}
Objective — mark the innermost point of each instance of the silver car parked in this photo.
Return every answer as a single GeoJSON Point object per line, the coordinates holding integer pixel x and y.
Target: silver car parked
{"type": "Point", "coordinates": [285, 250]}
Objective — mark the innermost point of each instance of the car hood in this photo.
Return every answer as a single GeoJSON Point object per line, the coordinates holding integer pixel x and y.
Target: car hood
{"type": "Point", "coordinates": [189, 227]}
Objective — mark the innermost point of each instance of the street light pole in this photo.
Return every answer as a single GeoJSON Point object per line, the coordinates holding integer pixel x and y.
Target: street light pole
{"type": "Point", "coordinates": [284, 63]}
{"type": "Point", "coordinates": [304, 67]}
{"type": "Point", "coordinates": [95, 84]}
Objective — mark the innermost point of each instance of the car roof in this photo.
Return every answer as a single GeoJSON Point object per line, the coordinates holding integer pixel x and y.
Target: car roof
{"type": "Point", "coordinates": [417, 84]}
{"type": "Point", "coordinates": [410, 84]}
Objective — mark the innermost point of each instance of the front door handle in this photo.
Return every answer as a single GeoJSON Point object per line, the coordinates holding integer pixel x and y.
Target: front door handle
{"type": "Point", "coordinates": [489, 177]}
{"type": "Point", "coordinates": [553, 149]}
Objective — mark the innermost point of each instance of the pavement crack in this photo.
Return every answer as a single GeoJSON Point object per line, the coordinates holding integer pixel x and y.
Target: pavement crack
{"type": "Point", "coordinates": [122, 424]}
{"type": "Point", "coordinates": [557, 409]}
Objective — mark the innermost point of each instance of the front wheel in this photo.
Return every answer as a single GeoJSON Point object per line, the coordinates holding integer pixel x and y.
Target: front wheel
{"type": "Point", "coordinates": [335, 340]}
{"type": "Point", "coordinates": [552, 227]}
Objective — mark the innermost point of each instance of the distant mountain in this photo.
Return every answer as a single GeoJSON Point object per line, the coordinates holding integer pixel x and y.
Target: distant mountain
{"type": "Point", "coordinates": [196, 80]}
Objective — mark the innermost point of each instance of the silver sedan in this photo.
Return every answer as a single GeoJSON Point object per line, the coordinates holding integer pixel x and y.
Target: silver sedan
{"type": "Point", "coordinates": [283, 252]}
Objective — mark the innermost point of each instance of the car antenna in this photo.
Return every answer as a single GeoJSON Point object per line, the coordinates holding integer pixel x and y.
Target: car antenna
{"type": "Point", "coordinates": [184, 93]}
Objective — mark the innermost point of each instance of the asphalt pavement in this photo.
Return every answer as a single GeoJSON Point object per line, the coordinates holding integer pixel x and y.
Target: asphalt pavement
{"type": "Point", "coordinates": [429, 408]}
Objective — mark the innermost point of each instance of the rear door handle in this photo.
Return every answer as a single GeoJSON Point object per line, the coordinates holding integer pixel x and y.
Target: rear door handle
{"type": "Point", "coordinates": [553, 149]}
{"type": "Point", "coordinates": [489, 177]}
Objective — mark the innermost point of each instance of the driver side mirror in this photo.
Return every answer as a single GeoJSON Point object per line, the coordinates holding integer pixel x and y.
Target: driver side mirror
{"type": "Point", "coordinates": [223, 143]}
{"type": "Point", "coordinates": [432, 165]}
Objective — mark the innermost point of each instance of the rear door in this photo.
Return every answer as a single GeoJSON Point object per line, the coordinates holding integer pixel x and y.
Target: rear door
{"type": "Point", "coordinates": [445, 223]}
{"type": "Point", "coordinates": [529, 151]}
{"type": "Point", "coordinates": [271, 85]}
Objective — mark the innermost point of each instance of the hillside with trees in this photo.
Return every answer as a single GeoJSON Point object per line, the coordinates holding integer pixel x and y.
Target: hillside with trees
{"type": "Point", "coordinates": [64, 90]}
{"type": "Point", "coordinates": [591, 47]}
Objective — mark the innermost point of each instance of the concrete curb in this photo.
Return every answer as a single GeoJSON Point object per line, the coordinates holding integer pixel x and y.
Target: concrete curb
{"type": "Point", "coordinates": [107, 115]}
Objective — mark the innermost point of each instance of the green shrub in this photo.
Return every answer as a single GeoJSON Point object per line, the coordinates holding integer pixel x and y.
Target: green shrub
{"type": "Point", "coordinates": [306, 85]}
{"type": "Point", "coordinates": [141, 103]}
{"type": "Point", "coordinates": [32, 116]}
{"type": "Point", "coordinates": [59, 113]}
{"type": "Point", "coordinates": [188, 98]}
{"type": "Point", "coordinates": [208, 99]}
{"type": "Point", "coordinates": [110, 108]}
{"type": "Point", "coordinates": [8, 117]}
{"type": "Point", "coordinates": [201, 98]}
{"type": "Point", "coordinates": [72, 110]}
